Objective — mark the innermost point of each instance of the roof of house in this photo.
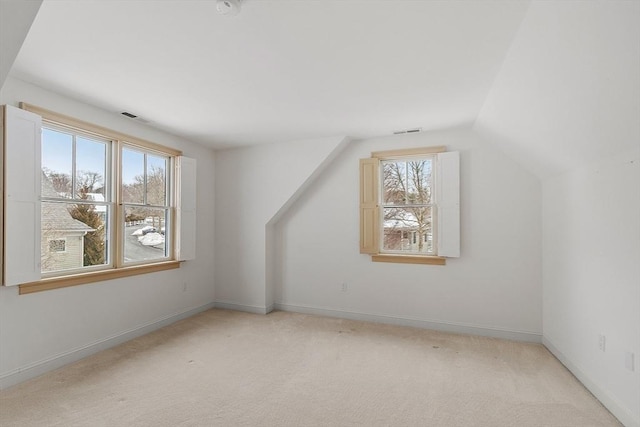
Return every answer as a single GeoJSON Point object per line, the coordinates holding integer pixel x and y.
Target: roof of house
{"type": "Point", "coordinates": [55, 215]}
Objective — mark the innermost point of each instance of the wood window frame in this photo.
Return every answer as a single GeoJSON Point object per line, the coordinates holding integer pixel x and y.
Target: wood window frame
{"type": "Point", "coordinates": [117, 270]}
{"type": "Point", "coordinates": [370, 206]}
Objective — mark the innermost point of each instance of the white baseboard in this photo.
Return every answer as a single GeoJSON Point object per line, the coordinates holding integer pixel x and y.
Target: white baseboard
{"type": "Point", "coordinates": [33, 370]}
{"type": "Point", "coordinates": [532, 337]}
{"type": "Point", "coordinates": [256, 309]}
{"type": "Point", "coordinates": [604, 396]}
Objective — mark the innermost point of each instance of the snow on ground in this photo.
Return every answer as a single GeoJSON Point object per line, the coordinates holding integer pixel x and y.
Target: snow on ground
{"type": "Point", "coordinates": [151, 239]}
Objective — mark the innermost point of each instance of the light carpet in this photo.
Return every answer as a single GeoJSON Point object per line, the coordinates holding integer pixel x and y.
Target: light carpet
{"type": "Point", "coordinates": [226, 368]}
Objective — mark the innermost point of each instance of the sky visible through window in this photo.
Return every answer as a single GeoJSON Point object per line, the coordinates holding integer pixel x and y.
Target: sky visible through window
{"type": "Point", "coordinates": [90, 156]}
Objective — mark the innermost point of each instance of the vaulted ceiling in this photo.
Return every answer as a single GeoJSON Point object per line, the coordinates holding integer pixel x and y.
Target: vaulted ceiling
{"type": "Point", "coordinates": [541, 79]}
{"type": "Point", "coordinates": [277, 71]}
{"type": "Point", "coordinates": [568, 92]}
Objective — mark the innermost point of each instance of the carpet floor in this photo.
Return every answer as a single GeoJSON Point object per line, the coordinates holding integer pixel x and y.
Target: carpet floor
{"type": "Point", "coordinates": [226, 368]}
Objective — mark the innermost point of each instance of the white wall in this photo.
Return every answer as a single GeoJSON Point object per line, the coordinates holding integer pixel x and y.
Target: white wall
{"type": "Point", "coordinates": [591, 273]}
{"type": "Point", "coordinates": [567, 85]}
{"type": "Point", "coordinates": [568, 95]}
{"type": "Point", "coordinates": [494, 288]}
{"type": "Point", "coordinates": [254, 185]}
{"type": "Point", "coordinates": [43, 330]}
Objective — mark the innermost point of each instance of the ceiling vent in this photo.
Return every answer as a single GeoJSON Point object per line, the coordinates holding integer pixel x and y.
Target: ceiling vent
{"type": "Point", "coordinates": [403, 131]}
{"type": "Point", "coordinates": [134, 117]}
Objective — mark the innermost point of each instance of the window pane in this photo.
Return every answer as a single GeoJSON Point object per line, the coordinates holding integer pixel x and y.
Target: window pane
{"type": "Point", "coordinates": [57, 156]}
{"type": "Point", "coordinates": [394, 182]}
{"type": "Point", "coordinates": [132, 176]}
{"type": "Point", "coordinates": [156, 180]}
{"type": "Point", "coordinates": [419, 182]}
{"type": "Point", "coordinates": [82, 227]}
{"type": "Point", "coordinates": [145, 230]}
{"type": "Point", "coordinates": [90, 169]}
{"type": "Point", "coordinates": [408, 230]}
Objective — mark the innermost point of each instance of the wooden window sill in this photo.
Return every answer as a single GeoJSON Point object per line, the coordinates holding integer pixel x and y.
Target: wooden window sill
{"type": "Point", "coordinates": [94, 276]}
{"type": "Point", "coordinates": [409, 259]}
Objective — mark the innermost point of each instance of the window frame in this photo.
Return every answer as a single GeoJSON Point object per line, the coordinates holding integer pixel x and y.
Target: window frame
{"type": "Point", "coordinates": [170, 205]}
{"type": "Point", "coordinates": [371, 220]}
{"type": "Point", "coordinates": [117, 267]}
{"type": "Point", "coordinates": [384, 205]}
{"type": "Point", "coordinates": [109, 184]}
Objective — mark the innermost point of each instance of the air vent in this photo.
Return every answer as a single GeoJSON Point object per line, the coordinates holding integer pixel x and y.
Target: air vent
{"type": "Point", "coordinates": [413, 130]}
{"type": "Point", "coordinates": [136, 118]}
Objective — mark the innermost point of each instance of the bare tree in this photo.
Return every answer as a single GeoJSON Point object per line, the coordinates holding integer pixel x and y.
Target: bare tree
{"type": "Point", "coordinates": [156, 186]}
{"type": "Point", "coordinates": [88, 182]}
{"type": "Point", "coordinates": [407, 193]}
{"type": "Point", "coordinates": [153, 186]}
{"type": "Point", "coordinates": [61, 182]}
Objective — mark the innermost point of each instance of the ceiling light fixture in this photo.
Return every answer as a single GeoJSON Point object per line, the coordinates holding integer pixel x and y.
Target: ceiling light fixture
{"type": "Point", "coordinates": [228, 7]}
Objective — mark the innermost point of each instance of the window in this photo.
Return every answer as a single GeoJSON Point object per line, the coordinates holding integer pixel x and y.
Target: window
{"type": "Point", "coordinates": [409, 205]}
{"type": "Point", "coordinates": [57, 245]}
{"type": "Point", "coordinates": [75, 199]}
{"type": "Point", "coordinates": [78, 178]}
{"type": "Point", "coordinates": [103, 204]}
{"type": "Point", "coordinates": [145, 198]}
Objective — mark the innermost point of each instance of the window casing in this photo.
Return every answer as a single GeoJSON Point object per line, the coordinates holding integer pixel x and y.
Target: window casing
{"type": "Point", "coordinates": [112, 196]}
{"type": "Point", "coordinates": [59, 173]}
{"type": "Point", "coordinates": [409, 205]}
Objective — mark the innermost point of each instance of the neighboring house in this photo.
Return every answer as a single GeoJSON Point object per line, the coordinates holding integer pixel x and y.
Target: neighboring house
{"type": "Point", "coordinates": [401, 234]}
{"type": "Point", "coordinates": [62, 244]}
{"type": "Point", "coordinates": [401, 239]}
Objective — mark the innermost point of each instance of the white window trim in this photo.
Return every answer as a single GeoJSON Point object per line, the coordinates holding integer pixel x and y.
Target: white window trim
{"type": "Point", "coordinates": [22, 240]}
{"type": "Point", "coordinates": [186, 220]}
{"type": "Point", "coordinates": [448, 202]}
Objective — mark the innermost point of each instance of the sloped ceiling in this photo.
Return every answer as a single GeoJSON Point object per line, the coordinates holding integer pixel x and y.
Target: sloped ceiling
{"type": "Point", "coordinates": [278, 71]}
{"type": "Point", "coordinates": [15, 20]}
{"type": "Point", "coordinates": [554, 83]}
{"type": "Point", "coordinates": [568, 92]}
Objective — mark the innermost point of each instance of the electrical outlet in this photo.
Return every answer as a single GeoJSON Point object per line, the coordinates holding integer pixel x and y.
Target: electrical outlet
{"type": "Point", "coordinates": [184, 287]}
{"type": "Point", "coordinates": [629, 359]}
{"type": "Point", "coordinates": [344, 287]}
{"type": "Point", "coordinates": [602, 341]}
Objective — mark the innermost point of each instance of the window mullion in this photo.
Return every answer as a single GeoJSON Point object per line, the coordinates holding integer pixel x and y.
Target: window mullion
{"type": "Point", "coordinates": [73, 167]}
{"type": "Point", "coordinates": [144, 181]}
{"type": "Point", "coordinates": [117, 250]}
{"type": "Point", "coordinates": [406, 183]}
